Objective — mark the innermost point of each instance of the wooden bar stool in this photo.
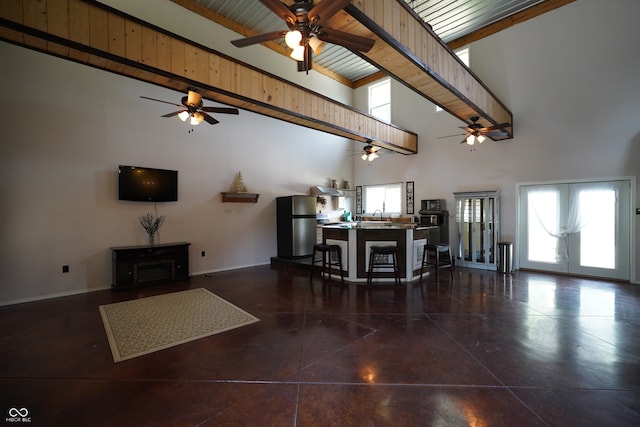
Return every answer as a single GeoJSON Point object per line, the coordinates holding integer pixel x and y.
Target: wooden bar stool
{"type": "Point", "coordinates": [438, 257]}
{"type": "Point", "coordinates": [379, 258]}
{"type": "Point", "coordinates": [331, 256]}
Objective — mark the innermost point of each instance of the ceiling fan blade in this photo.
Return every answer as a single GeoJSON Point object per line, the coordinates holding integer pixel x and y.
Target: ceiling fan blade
{"type": "Point", "coordinates": [221, 110]}
{"type": "Point", "coordinates": [261, 38]}
{"type": "Point", "coordinates": [325, 10]}
{"type": "Point", "coordinates": [160, 100]}
{"type": "Point", "coordinates": [468, 129]}
{"type": "Point", "coordinates": [350, 41]}
{"type": "Point", "coordinates": [175, 113]}
{"type": "Point", "coordinates": [280, 9]}
{"type": "Point", "coordinates": [449, 136]}
{"type": "Point", "coordinates": [209, 119]}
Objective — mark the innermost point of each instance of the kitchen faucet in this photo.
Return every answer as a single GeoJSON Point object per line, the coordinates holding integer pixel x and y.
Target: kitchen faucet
{"type": "Point", "coordinates": [374, 214]}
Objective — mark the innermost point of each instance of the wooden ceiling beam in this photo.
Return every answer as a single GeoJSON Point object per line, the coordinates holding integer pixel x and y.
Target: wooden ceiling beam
{"type": "Point", "coordinates": [407, 49]}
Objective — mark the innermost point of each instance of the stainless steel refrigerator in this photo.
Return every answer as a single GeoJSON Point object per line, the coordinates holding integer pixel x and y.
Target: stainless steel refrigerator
{"type": "Point", "coordinates": [296, 222]}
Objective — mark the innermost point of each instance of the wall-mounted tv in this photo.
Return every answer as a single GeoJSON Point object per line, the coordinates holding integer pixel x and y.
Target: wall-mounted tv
{"type": "Point", "coordinates": [142, 184]}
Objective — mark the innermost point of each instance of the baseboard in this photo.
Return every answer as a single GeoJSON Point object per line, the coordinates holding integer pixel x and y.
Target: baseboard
{"type": "Point", "coordinates": [50, 296]}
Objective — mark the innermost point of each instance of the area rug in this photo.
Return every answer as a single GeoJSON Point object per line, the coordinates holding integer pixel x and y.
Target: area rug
{"type": "Point", "coordinates": [146, 325]}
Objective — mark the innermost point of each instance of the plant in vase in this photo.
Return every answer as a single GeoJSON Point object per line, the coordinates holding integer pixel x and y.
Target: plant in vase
{"type": "Point", "coordinates": [151, 225]}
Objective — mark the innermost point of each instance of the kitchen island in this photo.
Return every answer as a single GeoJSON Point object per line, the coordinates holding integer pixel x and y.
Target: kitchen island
{"type": "Point", "coordinates": [355, 240]}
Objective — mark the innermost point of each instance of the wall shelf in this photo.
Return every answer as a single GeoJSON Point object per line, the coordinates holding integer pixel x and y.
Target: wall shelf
{"type": "Point", "coordinates": [240, 197]}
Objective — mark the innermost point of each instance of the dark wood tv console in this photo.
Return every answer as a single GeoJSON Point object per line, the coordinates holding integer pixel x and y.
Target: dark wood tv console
{"type": "Point", "coordinates": [134, 266]}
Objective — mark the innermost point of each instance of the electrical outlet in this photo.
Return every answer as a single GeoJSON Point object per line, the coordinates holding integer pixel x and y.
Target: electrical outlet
{"type": "Point", "coordinates": [202, 253]}
{"type": "Point", "coordinates": [65, 268]}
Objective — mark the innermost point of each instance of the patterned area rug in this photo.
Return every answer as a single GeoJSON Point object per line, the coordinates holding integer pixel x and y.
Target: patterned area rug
{"type": "Point", "coordinates": [146, 325]}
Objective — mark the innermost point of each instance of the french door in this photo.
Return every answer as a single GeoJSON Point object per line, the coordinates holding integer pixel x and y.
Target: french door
{"type": "Point", "coordinates": [576, 228]}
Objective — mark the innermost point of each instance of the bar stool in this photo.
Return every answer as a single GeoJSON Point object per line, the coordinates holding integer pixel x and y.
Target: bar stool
{"type": "Point", "coordinates": [379, 257]}
{"type": "Point", "coordinates": [437, 256]}
{"type": "Point", "coordinates": [331, 255]}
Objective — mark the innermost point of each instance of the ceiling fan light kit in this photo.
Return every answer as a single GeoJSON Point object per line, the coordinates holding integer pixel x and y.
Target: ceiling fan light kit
{"type": "Point", "coordinates": [370, 152]}
{"type": "Point", "coordinates": [304, 19]}
{"type": "Point", "coordinates": [478, 133]}
{"type": "Point", "coordinates": [370, 157]}
{"type": "Point", "coordinates": [193, 109]}
{"type": "Point", "coordinates": [472, 139]}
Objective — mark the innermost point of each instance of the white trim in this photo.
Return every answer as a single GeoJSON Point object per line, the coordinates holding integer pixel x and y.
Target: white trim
{"type": "Point", "coordinates": [51, 296]}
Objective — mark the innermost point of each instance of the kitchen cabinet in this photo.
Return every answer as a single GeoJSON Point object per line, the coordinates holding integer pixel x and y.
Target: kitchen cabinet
{"type": "Point", "coordinates": [478, 226]}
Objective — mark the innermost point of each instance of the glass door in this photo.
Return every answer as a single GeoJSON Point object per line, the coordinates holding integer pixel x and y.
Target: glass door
{"type": "Point", "coordinates": [477, 220]}
{"type": "Point", "coordinates": [576, 228]}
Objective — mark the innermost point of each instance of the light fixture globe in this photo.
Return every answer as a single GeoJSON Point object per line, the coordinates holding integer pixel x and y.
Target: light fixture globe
{"type": "Point", "coordinates": [293, 39]}
{"type": "Point", "coordinates": [316, 44]}
{"type": "Point", "coordinates": [298, 53]}
{"type": "Point", "coordinates": [197, 118]}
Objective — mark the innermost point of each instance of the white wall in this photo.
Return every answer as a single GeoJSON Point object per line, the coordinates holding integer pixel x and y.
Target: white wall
{"type": "Point", "coordinates": [570, 77]}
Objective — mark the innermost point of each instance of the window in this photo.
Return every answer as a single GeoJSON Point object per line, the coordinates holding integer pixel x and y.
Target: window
{"type": "Point", "coordinates": [386, 198]}
{"type": "Point", "coordinates": [380, 100]}
{"type": "Point", "coordinates": [463, 54]}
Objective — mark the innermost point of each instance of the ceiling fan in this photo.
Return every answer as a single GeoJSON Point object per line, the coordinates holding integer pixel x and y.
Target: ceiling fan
{"type": "Point", "coordinates": [476, 133]}
{"type": "Point", "coordinates": [370, 152]}
{"type": "Point", "coordinates": [306, 33]}
{"type": "Point", "coordinates": [193, 109]}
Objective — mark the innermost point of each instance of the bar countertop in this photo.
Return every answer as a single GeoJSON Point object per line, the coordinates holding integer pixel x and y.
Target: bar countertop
{"type": "Point", "coordinates": [378, 225]}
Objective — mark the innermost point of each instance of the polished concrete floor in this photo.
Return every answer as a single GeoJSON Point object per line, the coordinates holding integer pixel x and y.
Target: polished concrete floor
{"type": "Point", "coordinates": [483, 349]}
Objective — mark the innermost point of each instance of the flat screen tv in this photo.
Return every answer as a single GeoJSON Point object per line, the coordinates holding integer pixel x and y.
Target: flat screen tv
{"type": "Point", "coordinates": [142, 184]}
